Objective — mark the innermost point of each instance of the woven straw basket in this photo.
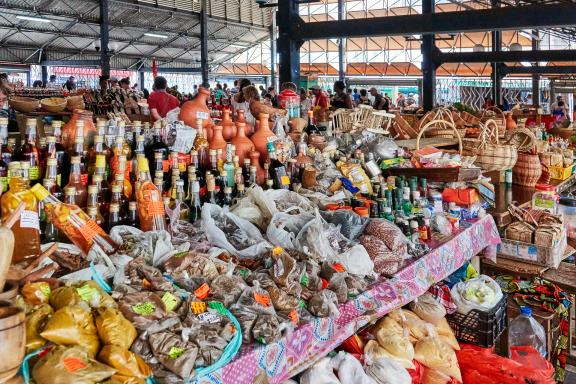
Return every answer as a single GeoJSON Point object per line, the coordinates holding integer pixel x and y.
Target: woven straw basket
{"type": "Point", "coordinates": [434, 123]}
{"type": "Point", "coordinates": [490, 154]}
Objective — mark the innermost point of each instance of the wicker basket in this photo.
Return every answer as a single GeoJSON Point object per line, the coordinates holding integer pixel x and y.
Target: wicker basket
{"type": "Point", "coordinates": [53, 104]}
{"type": "Point", "coordinates": [527, 170]}
{"type": "Point", "coordinates": [496, 114]}
{"type": "Point", "coordinates": [24, 104]}
{"type": "Point", "coordinates": [522, 138]}
{"type": "Point", "coordinates": [434, 123]}
{"type": "Point", "coordinates": [490, 154]}
{"type": "Point", "coordinates": [442, 117]}
{"type": "Point", "coordinates": [75, 102]}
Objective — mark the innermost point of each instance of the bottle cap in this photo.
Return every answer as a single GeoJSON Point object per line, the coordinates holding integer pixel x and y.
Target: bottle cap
{"type": "Point", "coordinates": [39, 191]}
{"type": "Point", "coordinates": [413, 224]}
{"type": "Point", "coordinates": [116, 188]}
{"type": "Point", "coordinates": [240, 187]}
{"type": "Point", "coordinates": [48, 183]}
{"type": "Point", "coordinates": [97, 178]}
{"type": "Point", "coordinates": [119, 140]}
{"type": "Point", "coordinates": [92, 211]}
{"type": "Point", "coordinates": [13, 165]}
{"type": "Point", "coordinates": [223, 174]}
{"type": "Point", "coordinates": [92, 189]}
{"type": "Point", "coordinates": [179, 183]}
{"type": "Point", "coordinates": [157, 155]}
{"type": "Point", "coordinates": [526, 311]}
{"type": "Point", "coordinates": [118, 177]}
{"type": "Point", "coordinates": [191, 169]}
{"type": "Point", "coordinates": [69, 191]}
{"type": "Point", "coordinates": [195, 186]}
{"type": "Point", "coordinates": [166, 200]}
{"type": "Point", "coordinates": [193, 152]}
{"type": "Point", "coordinates": [269, 182]}
{"type": "Point", "coordinates": [140, 138]}
{"type": "Point", "coordinates": [227, 191]}
{"type": "Point", "coordinates": [158, 174]}
{"type": "Point", "coordinates": [132, 206]}
{"type": "Point", "coordinates": [98, 139]}
{"type": "Point", "coordinates": [79, 140]}
{"type": "Point", "coordinates": [50, 139]}
{"type": "Point", "coordinates": [114, 207]}
{"type": "Point", "coordinates": [246, 161]}
{"type": "Point", "coordinates": [212, 152]}
{"type": "Point", "coordinates": [24, 165]}
{"type": "Point", "coordinates": [75, 159]}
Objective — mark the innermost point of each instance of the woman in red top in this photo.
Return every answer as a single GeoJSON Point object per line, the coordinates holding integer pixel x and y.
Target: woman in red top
{"type": "Point", "coordinates": [161, 102]}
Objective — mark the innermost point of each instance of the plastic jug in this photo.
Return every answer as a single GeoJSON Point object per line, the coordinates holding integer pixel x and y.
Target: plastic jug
{"type": "Point", "coordinates": [525, 335]}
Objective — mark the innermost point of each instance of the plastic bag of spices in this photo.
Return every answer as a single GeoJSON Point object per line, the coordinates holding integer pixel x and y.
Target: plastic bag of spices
{"type": "Point", "coordinates": [36, 293]}
{"type": "Point", "coordinates": [36, 320]}
{"type": "Point", "coordinates": [72, 325]}
{"type": "Point", "coordinates": [246, 317]}
{"type": "Point", "coordinates": [386, 261]}
{"type": "Point", "coordinates": [351, 224]}
{"type": "Point", "coordinates": [73, 365]}
{"type": "Point", "coordinates": [192, 264]}
{"type": "Point", "coordinates": [323, 304]}
{"type": "Point", "coordinates": [127, 364]}
{"type": "Point", "coordinates": [174, 353]}
{"type": "Point", "coordinates": [285, 226]}
{"type": "Point", "coordinates": [142, 309]}
{"type": "Point", "coordinates": [227, 288]}
{"type": "Point", "coordinates": [113, 328]}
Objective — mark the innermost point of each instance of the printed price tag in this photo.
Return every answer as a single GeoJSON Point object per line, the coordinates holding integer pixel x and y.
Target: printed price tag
{"type": "Point", "coordinates": [169, 301]}
{"type": "Point", "coordinates": [208, 317]}
{"type": "Point", "coordinates": [89, 230]}
{"type": "Point", "coordinates": [87, 292]}
{"type": "Point", "coordinates": [34, 173]}
{"type": "Point", "coordinates": [176, 352]}
{"type": "Point", "coordinates": [262, 299]}
{"type": "Point", "coordinates": [198, 307]}
{"type": "Point", "coordinates": [29, 219]}
{"type": "Point", "coordinates": [285, 180]}
{"type": "Point", "coordinates": [73, 364]}
{"type": "Point", "coordinates": [202, 115]}
{"type": "Point", "coordinates": [202, 291]}
{"type": "Point", "coordinates": [293, 316]}
{"type": "Point", "coordinates": [338, 268]}
{"type": "Point", "coordinates": [144, 309]}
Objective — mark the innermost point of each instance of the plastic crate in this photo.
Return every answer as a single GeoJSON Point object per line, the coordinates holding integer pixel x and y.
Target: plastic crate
{"type": "Point", "coordinates": [478, 327]}
{"type": "Point", "coordinates": [559, 173]}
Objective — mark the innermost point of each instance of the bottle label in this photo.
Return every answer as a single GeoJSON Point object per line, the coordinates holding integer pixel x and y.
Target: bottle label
{"type": "Point", "coordinates": [34, 173]}
{"type": "Point", "coordinates": [29, 219]}
{"type": "Point", "coordinates": [73, 364]}
{"type": "Point", "coordinates": [59, 180]}
{"type": "Point", "coordinates": [84, 179]}
{"type": "Point", "coordinates": [262, 299]}
{"type": "Point", "coordinates": [202, 115]}
{"type": "Point", "coordinates": [4, 182]}
{"type": "Point", "coordinates": [165, 166]}
{"type": "Point", "coordinates": [89, 230]}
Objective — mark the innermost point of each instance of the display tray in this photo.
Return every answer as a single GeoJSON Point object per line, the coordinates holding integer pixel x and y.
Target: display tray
{"type": "Point", "coordinates": [437, 174]}
{"type": "Point", "coordinates": [276, 362]}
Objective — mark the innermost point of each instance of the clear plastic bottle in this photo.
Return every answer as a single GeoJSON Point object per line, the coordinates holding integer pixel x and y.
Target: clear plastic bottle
{"type": "Point", "coordinates": [525, 334]}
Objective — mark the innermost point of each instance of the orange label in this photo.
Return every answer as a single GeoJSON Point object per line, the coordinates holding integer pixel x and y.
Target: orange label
{"type": "Point", "coordinates": [293, 316]}
{"type": "Point", "coordinates": [89, 230]}
{"type": "Point", "coordinates": [84, 178]}
{"type": "Point", "coordinates": [324, 283]}
{"type": "Point", "coordinates": [202, 292]}
{"type": "Point", "coordinates": [165, 166]}
{"type": "Point", "coordinates": [73, 364]}
{"type": "Point", "coordinates": [146, 284]}
{"type": "Point", "coordinates": [262, 299]}
{"type": "Point", "coordinates": [156, 208]}
{"type": "Point", "coordinates": [338, 267]}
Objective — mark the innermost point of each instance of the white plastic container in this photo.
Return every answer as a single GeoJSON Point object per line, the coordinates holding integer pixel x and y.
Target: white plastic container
{"type": "Point", "coordinates": [567, 208]}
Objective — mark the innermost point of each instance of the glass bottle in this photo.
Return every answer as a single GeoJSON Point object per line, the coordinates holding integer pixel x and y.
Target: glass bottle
{"type": "Point", "coordinates": [246, 171]}
{"type": "Point", "coordinates": [6, 153]}
{"type": "Point", "coordinates": [96, 149]}
{"type": "Point", "coordinates": [178, 202]}
{"type": "Point", "coordinates": [407, 205]}
{"type": "Point", "coordinates": [201, 146]}
{"type": "Point", "coordinates": [80, 152]}
{"type": "Point", "coordinates": [214, 162]}
{"type": "Point", "coordinates": [61, 155]}
{"type": "Point", "coordinates": [138, 150]}
{"type": "Point", "coordinates": [276, 169]}
{"type": "Point", "coordinates": [76, 181]}
{"type": "Point", "coordinates": [3, 174]}
{"type": "Point", "coordinates": [167, 210]}
{"type": "Point", "coordinates": [157, 146]}
{"type": "Point", "coordinates": [117, 151]}
{"type": "Point", "coordinates": [311, 127]}
{"type": "Point", "coordinates": [269, 184]}
{"type": "Point", "coordinates": [132, 218]}
{"type": "Point", "coordinates": [149, 199]}
{"type": "Point", "coordinates": [253, 179]}
{"type": "Point", "coordinates": [227, 199]}
{"type": "Point", "coordinates": [48, 231]}
{"type": "Point", "coordinates": [118, 198]}
{"type": "Point", "coordinates": [240, 191]}
{"type": "Point", "coordinates": [211, 191]}
{"type": "Point", "coordinates": [27, 228]}
{"type": "Point", "coordinates": [229, 165]}
{"type": "Point", "coordinates": [74, 223]}
{"type": "Point", "coordinates": [29, 152]}
{"type": "Point", "coordinates": [52, 174]}
{"type": "Point", "coordinates": [159, 180]}
{"type": "Point", "coordinates": [238, 178]}
{"type": "Point", "coordinates": [195, 203]}
{"type": "Point", "coordinates": [93, 213]}
{"type": "Point", "coordinates": [126, 184]}
{"type": "Point", "coordinates": [114, 216]}
{"type": "Point", "coordinates": [92, 200]}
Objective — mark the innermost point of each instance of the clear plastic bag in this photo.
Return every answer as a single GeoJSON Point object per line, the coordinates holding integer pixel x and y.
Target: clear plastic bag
{"type": "Point", "coordinates": [351, 224]}
{"type": "Point", "coordinates": [284, 227]}
{"type": "Point", "coordinates": [320, 373]}
{"type": "Point", "coordinates": [228, 231]}
{"type": "Point", "coordinates": [350, 370]}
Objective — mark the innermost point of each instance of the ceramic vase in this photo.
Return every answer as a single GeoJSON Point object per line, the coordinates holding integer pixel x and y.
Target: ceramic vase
{"type": "Point", "coordinates": [243, 144]}
{"type": "Point", "coordinates": [196, 109]}
{"type": "Point", "coordinates": [260, 138]}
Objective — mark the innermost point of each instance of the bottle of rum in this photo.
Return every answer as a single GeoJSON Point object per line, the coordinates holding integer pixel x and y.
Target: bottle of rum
{"type": "Point", "coordinates": [77, 183]}
{"type": "Point", "coordinates": [30, 153]}
{"type": "Point", "coordinates": [149, 199]}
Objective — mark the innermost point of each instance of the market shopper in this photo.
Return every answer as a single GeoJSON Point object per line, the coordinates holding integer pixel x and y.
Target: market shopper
{"type": "Point", "coordinates": [238, 101]}
{"type": "Point", "coordinates": [356, 97]}
{"type": "Point", "coordinates": [52, 84]}
{"type": "Point", "coordinates": [159, 101]}
{"type": "Point", "coordinates": [305, 103]}
{"type": "Point", "coordinates": [364, 99]}
{"type": "Point", "coordinates": [70, 83]}
{"type": "Point", "coordinates": [320, 106]}
{"type": "Point", "coordinates": [125, 83]}
{"type": "Point", "coordinates": [401, 101]}
{"type": "Point", "coordinates": [341, 99]}
{"type": "Point", "coordinates": [380, 102]}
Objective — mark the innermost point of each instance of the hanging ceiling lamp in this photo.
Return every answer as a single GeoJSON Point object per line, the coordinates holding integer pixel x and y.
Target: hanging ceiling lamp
{"type": "Point", "coordinates": [515, 47]}
{"type": "Point", "coordinates": [478, 48]}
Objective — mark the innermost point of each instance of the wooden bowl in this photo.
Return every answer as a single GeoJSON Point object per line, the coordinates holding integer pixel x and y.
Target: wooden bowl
{"type": "Point", "coordinates": [24, 104]}
{"type": "Point", "coordinates": [53, 104]}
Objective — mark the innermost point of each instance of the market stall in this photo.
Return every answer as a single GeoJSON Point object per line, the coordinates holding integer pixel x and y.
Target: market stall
{"type": "Point", "coordinates": [204, 249]}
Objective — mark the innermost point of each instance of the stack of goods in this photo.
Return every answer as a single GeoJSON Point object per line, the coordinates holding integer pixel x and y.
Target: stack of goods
{"type": "Point", "coordinates": [115, 100]}
{"type": "Point", "coordinates": [559, 161]}
{"type": "Point", "coordinates": [535, 235]}
{"type": "Point", "coordinates": [203, 239]}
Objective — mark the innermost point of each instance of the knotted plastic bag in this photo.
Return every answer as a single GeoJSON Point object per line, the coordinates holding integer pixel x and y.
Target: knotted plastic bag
{"type": "Point", "coordinates": [36, 320]}
{"type": "Point", "coordinates": [436, 354]}
{"type": "Point", "coordinates": [113, 328]}
{"type": "Point", "coordinates": [126, 363]}
{"type": "Point", "coordinates": [428, 309]}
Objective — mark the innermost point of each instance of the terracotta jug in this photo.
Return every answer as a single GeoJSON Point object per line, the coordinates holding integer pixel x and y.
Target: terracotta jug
{"type": "Point", "coordinates": [69, 130]}
{"type": "Point", "coordinates": [241, 118]}
{"type": "Point", "coordinates": [196, 109]}
{"type": "Point", "coordinates": [260, 172]}
{"type": "Point", "coordinates": [217, 142]}
{"type": "Point", "coordinates": [228, 126]}
{"type": "Point", "coordinates": [260, 138]}
{"type": "Point", "coordinates": [243, 144]}
{"type": "Point", "coordinates": [510, 123]}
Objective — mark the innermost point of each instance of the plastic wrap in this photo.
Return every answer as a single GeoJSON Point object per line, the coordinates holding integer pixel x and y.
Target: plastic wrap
{"type": "Point", "coordinates": [320, 373]}
{"type": "Point", "coordinates": [387, 371]}
{"type": "Point", "coordinates": [36, 320]}
{"type": "Point", "coordinates": [428, 309]}
{"type": "Point", "coordinates": [126, 363]}
{"type": "Point", "coordinates": [350, 370]}
{"type": "Point", "coordinates": [113, 328]}
{"type": "Point", "coordinates": [351, 224]}
{"type": "Point", "coordinates": [284, 227]}
{"type": "Point", "coordinates": [173, 353]}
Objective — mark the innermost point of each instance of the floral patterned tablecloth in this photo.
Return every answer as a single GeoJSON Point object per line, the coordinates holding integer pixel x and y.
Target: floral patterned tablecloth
{"type": "Point", "coordinates": [292, 354]}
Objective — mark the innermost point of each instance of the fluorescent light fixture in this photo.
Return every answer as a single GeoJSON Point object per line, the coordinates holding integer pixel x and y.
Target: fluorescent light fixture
{"type": "Point", "coordinates": [150, 34]}
{"type": "Point", "coordinates": [238, 46]}
{"type": "Point", "coordinates": [30, 18]}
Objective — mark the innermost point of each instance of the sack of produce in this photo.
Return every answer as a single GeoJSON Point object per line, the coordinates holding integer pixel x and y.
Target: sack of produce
{"type": "Point", "coordinates": [66, 296]}
{"type": "Point", "coordinates": [72, 325]}
{"type": "Point", "coordinates": [246, 317]}
{"type": "Point", "coordinates": [227, 288]}
{"type": "Point", "coordinates": [350, 371]}
{"type": "Point", "coordinates": [428, 309]}
{"type": "Point", "coordinates": [284, 227]}
{"type": "Point", "coordinates": [445, 333]}
{"type": "Point", "coordinates": [73, 365]}
{"type": "Point", "coordinates": [386, 262]}
{"type": "Point", "coordinates": [435, 354]}
{"type": "Point", "coordinates": [127, 364]}
{"type": "Point", "coordinates": [94, 295]}
{"type": "Point", "coordinates": [396, 345]}
{"type": "Point", "coordinates": [373, 351]}
{"type": "Point", "coordinates": [142, 309]}
{"type": "Point", "coordinates": [36, 320]}
{"type": "Point", "coordinates": [386, 231]}
{"type": "Point", "coordinates": [228, 231]}
{"type": "Point", "coordinates": [266, 329]}
{"type": "Point", "coordinates": [351, 224]}
{"type": "Point", "coordinates": [323, 304]}
{"type": "Point", "coordinates": [416, 327]}
{"type": "Point", "coordinates": [386, 371]}
{"type": "Point", "coordinates": [192, 265]}
{"type": "Point", "coordinates": [482, 293]}
{"type": "Point", "coordinates": [114, 329]}
{"type": "Point", "coordinates": [36, 293]}
{"type": "Point", "coordinates": [320, 373]}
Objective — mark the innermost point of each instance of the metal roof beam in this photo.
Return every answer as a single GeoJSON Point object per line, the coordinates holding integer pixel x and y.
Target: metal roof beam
{"type": "Point", "coordinates": [520, 17]}
{"type": "Point", "coordinates": [549, 70]}
{"type": "Point", "coordinates": [503, 57]}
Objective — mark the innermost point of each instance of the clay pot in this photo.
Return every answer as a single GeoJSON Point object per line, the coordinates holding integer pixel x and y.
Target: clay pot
{"type": "Point", "coordinates": [13, 336]}
{"type": "Point", "coordinates": [510, 123]}
{"type": "Point", "coordinates": [217, 142]}
{"type": "Point", "coordinates": [260, 138]}
{"type": "Point", "coordinates": [69, 130]}
{"type": "Point", "coordinates": [260, 172]}
{"type": "Point", "coordinates": [189, 112]}
{"type": "Point", "coordinates": [228, 126]}
{"type": "Point", "coordinates": [241, 118]}
{"type": "Point", "coordinates": [243, 144]}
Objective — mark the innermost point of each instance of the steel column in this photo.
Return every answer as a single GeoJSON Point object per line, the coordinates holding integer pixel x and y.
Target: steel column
{"type": "Point", "coordinates": [104, 29]}
{"type": "Point", "coordinates": [535, 76]}
{"type": "Point", "coordinates": [428, 65]}
{"type": "Point", "coordinates": [273, 49]}
{"type": "Point", "coordinates": [341, 44]}
{"type": "Point", "coordinates": [141, 80]}
{"type": "Point", "coordinates": [288, 46]}
{"type": "Point", "coordinates": [504, 18]}
{"type": "Point", "coordinates": [204, 44]}
{"type": "Point", "coordinates": [44, 74]}
{"type": "Point", "coordinates": [496, 76]}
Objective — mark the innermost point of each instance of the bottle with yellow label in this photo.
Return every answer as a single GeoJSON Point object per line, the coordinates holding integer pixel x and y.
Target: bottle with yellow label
{"type": "Point", "coordinates": [74, 223]}
{"type": "Point", "coordinates": [27, 228]}
{"type": "Point", "coordinates": [149, 199]}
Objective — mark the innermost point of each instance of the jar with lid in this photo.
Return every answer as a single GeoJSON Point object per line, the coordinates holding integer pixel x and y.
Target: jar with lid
{"type": "Point", "coordinates": [545, 198]}
{"type": "Point", "coordinates": [567, 208]}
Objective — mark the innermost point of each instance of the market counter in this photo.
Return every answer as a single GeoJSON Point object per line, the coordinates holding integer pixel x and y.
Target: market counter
{"type": "Point", "coordinates": [289, 356]}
